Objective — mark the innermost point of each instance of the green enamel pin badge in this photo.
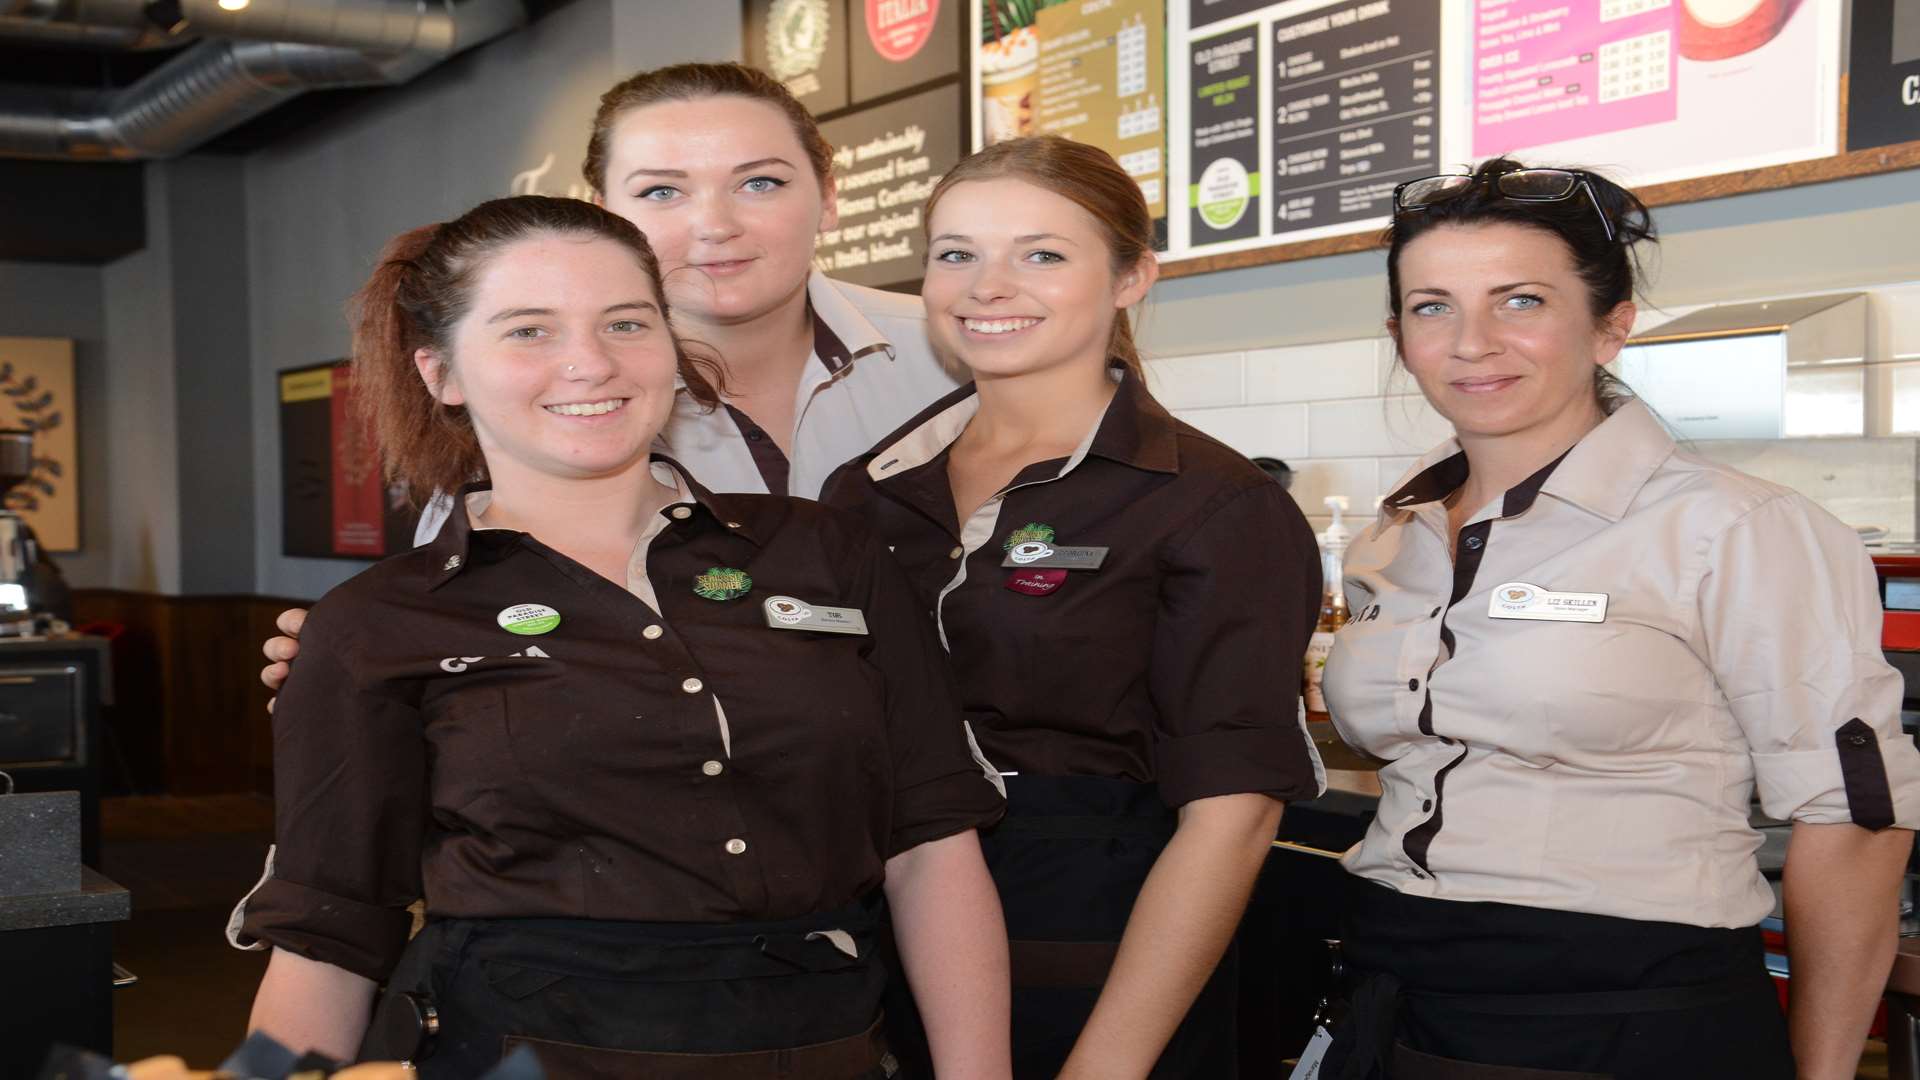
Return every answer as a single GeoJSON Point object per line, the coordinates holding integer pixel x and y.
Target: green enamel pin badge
{"type": "Point", "coordinates": [1031, 532]}
{"type": "Point", "coordinates": [722, 583]}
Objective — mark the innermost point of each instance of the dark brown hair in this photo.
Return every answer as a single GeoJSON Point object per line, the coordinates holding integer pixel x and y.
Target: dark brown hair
{"type": "Point", "coordinates": [1608, 265]}
{"type": "Point", "coordinates": [1088, 177]}
{"type": "Point", "coordinates": [697, 82]}
{"type": "Point", "coordinates": [419, 291]}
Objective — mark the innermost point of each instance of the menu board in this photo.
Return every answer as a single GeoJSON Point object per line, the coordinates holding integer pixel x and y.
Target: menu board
{"type": "Point", "coordinates": [1883, 75]}
{"type": "Point", "coordinates": [1090, 70]}
{"type": "Point", "coordinates": [886, 161]}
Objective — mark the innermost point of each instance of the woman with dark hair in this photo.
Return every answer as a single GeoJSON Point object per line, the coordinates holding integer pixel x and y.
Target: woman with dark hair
{"type": "Point", "coordinates": [1582, 652]}
{"type": "Point", "coordinates": [1124, 601]}
{"type": "Point", "coordinates": [591, 722]}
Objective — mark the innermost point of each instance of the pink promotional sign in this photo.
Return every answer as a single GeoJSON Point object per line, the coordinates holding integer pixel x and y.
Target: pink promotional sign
{"type": "Point", "coordinates": [1546, 71]}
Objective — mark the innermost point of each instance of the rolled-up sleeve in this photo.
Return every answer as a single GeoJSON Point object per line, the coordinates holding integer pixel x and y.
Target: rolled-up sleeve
{"type": "Point", "coordinates": [942, 784]}
{"type": "Point", "coordinates": [1238, 600]}
{"type": "Point", "coordinates": [1790, 614]}
{"type": "Point", "coordinates": [349, 765]}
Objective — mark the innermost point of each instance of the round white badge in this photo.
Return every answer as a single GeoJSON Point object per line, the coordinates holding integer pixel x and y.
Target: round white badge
{"type": "Point", "coordinates": [1031, 551]}
{"type": "Point", "coordinates": [786, 609]}
{"type": "Point", "coordinates": [528, 619]}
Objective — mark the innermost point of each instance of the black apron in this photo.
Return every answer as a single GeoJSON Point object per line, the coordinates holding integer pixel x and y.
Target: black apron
{"type": "Point", "coordinates": [672, 1001]}
{"type": "Point", "coordinates": [1069, 860]}
{"type": "Point", "coordinates": [1448, 989]}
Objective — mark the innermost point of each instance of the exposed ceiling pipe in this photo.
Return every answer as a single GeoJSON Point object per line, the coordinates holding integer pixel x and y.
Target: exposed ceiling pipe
{"type": "Point", "coordinates": [380, 25]}
{"type": "Point", "coordinates": [218, 85]}
{"type": "Point", "coordinates": [38, 32]}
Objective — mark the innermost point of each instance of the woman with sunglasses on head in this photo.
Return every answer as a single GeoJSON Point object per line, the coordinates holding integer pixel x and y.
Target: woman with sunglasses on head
{"type": "Point", "coordinates": [1582, 651]}
{"type": "Point", "coordinates": [1122, 598]}
{"type": "Point", "coordinates": [592, 722]}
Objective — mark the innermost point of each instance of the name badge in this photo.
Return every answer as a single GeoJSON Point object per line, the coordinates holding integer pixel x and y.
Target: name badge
{"type": "Point", "coordinates": [786, 613]}
{"type": "Point", "coordinates": [1519, 600]}
{"type": "Point", "coordinates": [1042, 555]}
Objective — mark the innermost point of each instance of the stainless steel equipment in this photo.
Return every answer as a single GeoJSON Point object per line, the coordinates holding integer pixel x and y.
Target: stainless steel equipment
{"type": "Point", "coordinates": [20, 571]}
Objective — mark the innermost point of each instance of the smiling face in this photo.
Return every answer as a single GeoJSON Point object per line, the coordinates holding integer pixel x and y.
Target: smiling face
{"type": "Point", "coordinates": [562, 359]}
{"type": "Point", "coordinates": [1020, 279]}
{"type": "Point", "coordinates": [724, 193]}
{"type": "Point", "coordinates": [1496, 326]}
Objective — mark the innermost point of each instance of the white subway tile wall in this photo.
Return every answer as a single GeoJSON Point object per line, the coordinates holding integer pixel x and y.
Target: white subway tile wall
{"type": "Point", "coordinates": [1329, 372]}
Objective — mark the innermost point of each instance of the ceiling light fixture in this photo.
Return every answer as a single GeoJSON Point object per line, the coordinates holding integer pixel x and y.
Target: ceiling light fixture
{"type": "Point", "coordinates": [233, 5]}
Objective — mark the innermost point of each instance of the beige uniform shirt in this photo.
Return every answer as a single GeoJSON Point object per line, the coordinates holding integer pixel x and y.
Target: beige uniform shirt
{"type": "Point", "coordinates": [1578, 710]}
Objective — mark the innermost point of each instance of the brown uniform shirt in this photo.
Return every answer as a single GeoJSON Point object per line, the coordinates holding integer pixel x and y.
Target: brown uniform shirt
{"type": "Point", "coordinates": [1580, 705]}
{"type": "Point", "coordinates": [1177, 661]}
{"type": "Point", "coordinates": [423, 750]}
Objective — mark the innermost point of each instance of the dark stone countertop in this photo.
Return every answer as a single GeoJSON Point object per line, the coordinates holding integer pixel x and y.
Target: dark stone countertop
{"type": "Point", "coordinates": [98, 900]}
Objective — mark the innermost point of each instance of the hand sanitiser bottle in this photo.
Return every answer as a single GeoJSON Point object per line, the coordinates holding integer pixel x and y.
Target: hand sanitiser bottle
{"type": "Point", "coordinates": [1333, 602]}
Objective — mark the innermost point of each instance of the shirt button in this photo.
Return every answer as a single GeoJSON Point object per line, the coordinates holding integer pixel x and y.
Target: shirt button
{"type": "Point", "coordinates": [712, 768]}
{"type": "Point", "coordinates": [1473, 543]}
{"type": "Point", "coordinates": [1413, 684]}
{"type": "Point", "coordinates": [733, 524]}
{"type": "Point", "coordinates": [682, 513]}
{"type": "Point", "coordinates": [692, 686]}
{"type": "Point", "coordinates": [956, 553]}
{"type": "Point", "coordinates": [1434, 614]}
{"type": "Point", "coordinates": [1425, 804]}
{"type": "Point", "coordinates": [652, 633]}
{"type": "Point", "coordinates": [736, 846]}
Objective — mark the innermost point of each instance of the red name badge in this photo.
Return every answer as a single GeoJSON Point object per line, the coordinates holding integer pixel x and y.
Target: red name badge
{"type": "Point", "coordinates": [1037, 582]}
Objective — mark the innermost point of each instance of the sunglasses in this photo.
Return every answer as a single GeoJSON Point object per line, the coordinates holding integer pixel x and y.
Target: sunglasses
{"type": "Point", "coordinates": [1520, 185]}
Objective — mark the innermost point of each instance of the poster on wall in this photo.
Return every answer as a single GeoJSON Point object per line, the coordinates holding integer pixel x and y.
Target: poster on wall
{"type": "Point", "coordinates": [1883, 74]}
{"type": "Point", "coordinates": [1090, 70]}
{"type": "Point", "coordinates": [1656, 90]}
{"type": "Point", "coordinates": [336, 505]}
{"type": "Point", "coordinates": [36, 395]}
{"type": "Point", "coordinates": [886, 161]}
{"type": "Point", "coordinates": [901, 44]}
{"type": "Point", "coordinates": [1300, 117]}
{"type": "Point", "coordinates": [803, 43]}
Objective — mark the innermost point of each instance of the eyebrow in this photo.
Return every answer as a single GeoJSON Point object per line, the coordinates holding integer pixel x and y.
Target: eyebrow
{"type": "Point", "coordinates": [629, 305]}
{"type": "Point", "coordinates": [681, 174]}
{"type": "Point", "coordinates": [1495, 291]}
{"type": "Point", "coordinates": [1026, 239]}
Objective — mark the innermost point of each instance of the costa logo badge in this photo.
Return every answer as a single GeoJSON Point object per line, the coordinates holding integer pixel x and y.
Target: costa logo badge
{"type": "Point", "coordinates": [1029, 551]}
{"type": "Point", "coordinates": [787, 610]}
{"type": "Point", "coordinates": [1029, 532]}
{"type": "Point", "coordinates": [1518, 594]}
{"type": "Point", "coordinates": [1037, 582]}
{"type": "Point", "coordinates": [722, 583]}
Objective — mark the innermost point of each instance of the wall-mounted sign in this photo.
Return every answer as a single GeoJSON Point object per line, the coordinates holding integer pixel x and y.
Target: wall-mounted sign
{"type": "Point", "coordinates": [803, 43]}
{"type": "Point", "coordinates": [886, 161]}
{"type": "Point", "coordinates": [335, 503]}
{"type": "Point", "coordinates": [36, 395]}
{"type": "Point", "coordinates": [1090, 70]}
{"type": "Point", "coordinates": [900, 44]}
{"type": "Point", "coordinates": [1883, 74]}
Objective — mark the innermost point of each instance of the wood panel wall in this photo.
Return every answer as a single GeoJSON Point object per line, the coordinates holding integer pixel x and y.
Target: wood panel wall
{"type": "Point", "coordinates": [189, 714]}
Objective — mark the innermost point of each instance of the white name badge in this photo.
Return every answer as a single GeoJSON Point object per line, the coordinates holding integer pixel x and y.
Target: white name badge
{"type": "Point", "coordinates": [786, 613]}
{"type": "Point", "coordinates": [1519, 600]}
{"type": "Point", "coordinates": [1308, 1065]}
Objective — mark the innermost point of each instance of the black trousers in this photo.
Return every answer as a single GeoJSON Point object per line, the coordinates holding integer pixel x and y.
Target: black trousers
{"type": "Point", "coordinates": [1069, 860]}
{"type": "Point", "coordinates": [1502, 985]}
{"type": "Point", "coordinates": [683, 989]}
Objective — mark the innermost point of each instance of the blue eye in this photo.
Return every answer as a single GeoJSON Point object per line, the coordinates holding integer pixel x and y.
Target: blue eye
{"type": "Point", "coordinates": [763, 184]}
{"type": "Point", "coordinates": [658, 193]}
{"type": "Point", "coordinates": [953, 255]}
{"type": "Point", "coordinates": [1046, 258]}
{"type": "Point", "coordinates": [1524, 301]}
{"type": "Point", "coordinates": [627, 326]}
{"type": "Point", "coordinates": [1431, 307]}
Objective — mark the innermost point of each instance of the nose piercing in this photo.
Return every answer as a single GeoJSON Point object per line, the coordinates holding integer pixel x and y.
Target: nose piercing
{"type": "Point", "coordinates": [569, 369]}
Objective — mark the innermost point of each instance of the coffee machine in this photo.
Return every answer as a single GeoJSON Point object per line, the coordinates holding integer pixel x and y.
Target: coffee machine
{"type": "Point", "coordinates": [23, 574]}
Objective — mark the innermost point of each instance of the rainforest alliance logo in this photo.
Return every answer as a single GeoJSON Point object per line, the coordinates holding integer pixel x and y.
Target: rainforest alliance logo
{"type": "Point", "coordinates": [797, 35]}
{"type": "Point", "coordinates": [1032, 530]}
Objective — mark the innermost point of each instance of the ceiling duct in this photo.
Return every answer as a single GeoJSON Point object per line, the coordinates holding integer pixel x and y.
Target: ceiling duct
{"type": "Point", "coordinates": [251, 61]}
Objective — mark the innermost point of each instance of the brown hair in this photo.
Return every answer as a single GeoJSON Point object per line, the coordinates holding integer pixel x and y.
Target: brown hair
{"type": "Point", "coordinates": [697, 82]}
{"type": "Point", "coordinates": [1089, 178]}
{"type": "Point", "coordinates": [420, 289]}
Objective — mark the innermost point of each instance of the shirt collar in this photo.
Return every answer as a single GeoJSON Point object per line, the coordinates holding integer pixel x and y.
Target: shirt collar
{"type": "Point", "coordinates": [841, 333]}
{"type": "Point", "coordinates": [1134, 430]}
{"type": "Point", "coordinates": [460, 539]}
{"type": "Point", "coordinates": [1602, 473]}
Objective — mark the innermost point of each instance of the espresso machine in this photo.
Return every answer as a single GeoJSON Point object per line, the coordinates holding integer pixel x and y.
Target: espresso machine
{"type": "Point", "coordinates": [25, 578]}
